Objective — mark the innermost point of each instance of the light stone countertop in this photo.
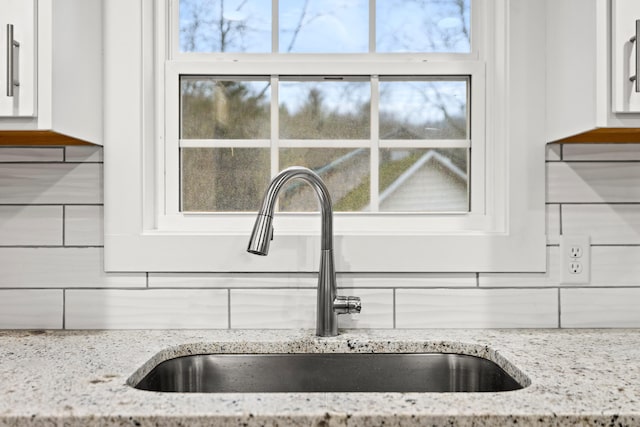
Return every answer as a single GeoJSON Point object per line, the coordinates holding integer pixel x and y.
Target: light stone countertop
{"type": "Point", "coordinates": [74, 378]}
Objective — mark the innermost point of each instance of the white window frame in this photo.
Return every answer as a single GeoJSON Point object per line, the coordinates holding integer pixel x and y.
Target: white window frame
{"type": "Point", "coordinates": [504, 232]}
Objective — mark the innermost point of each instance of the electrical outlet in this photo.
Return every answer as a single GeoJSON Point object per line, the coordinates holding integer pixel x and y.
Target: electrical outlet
{"type": "Point", "coordinates": [575, 260]}
{"type": "Point", "coordinates": [575, 267]}
{"type": "Point", "coordinates": [575, 251]}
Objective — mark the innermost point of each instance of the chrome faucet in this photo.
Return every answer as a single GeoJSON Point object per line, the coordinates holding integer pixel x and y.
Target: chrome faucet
{"type": "Point", "coordinates": [329, 304]}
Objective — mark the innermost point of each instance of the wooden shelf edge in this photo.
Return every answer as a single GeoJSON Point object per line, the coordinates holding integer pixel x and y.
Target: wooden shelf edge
{"type": "Point", "coordinates": [604, 136]}
{"type": "Point", "coordinates": [37, 138]}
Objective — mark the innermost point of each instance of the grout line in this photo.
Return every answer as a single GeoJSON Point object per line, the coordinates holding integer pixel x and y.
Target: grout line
{"type": "Point", "coordinates": [142, 288]}
{"type": "Point", "coordinates": [228, 308]}
{"type": "Point", "coordinates": [147, 279]}
{"type": "Point", "coordinates": [64, 223]}
{"type": "Point", "coordinates": [43, 163]}
{"type": "Point", "coordinates": [561, 152]}
{"type": "Point", "coordinates": [605, 203]}
{"type": "Point", "coordinates": [602, 161]}
{"type": "Point", "coordinates": [560, 218]}
{"type": "Point", "coordinates": [60, 204]}
{"type": "Point", "coordinates": [559, 309]}
{"type": "Point", "coordinates": [64, 309]}
{"type": "Point", "coordinates": [616, 245]}
{"type": "Point", "coordinates": [394, 308]}
{"type": "Point", "coordinates": [30, 246]}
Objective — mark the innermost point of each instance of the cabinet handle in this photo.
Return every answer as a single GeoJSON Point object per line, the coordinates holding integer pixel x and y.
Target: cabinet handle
{"type": "Point", "coordinates": [11, 44]}
{"type": "Point", "coordinates": [636, 39]}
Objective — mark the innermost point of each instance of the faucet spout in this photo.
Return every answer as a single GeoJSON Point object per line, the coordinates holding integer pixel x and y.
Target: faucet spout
{"type": "Point", "coordinates": [329, 304]}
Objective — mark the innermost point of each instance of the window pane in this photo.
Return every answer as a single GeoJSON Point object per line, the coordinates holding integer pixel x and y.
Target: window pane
{"type": "Point", "coordinates": [433, 109]}
{"type": "Point", "coordinates": [324, 110]}
{"type": "Point", "coordinates": [320, 26]}
{"type": "Point", "coordinates": [423, 26]}
{"type": "Point", "coordinates": [225, 25]}
{"type": "Point", "coordinates": [345, 171]}
{"type": "Point", "coordinates": [424, 180]}
{"type": "Point", "coordinates": [224, 109]}
{"type": "Point", "coordinates": [224, 179]}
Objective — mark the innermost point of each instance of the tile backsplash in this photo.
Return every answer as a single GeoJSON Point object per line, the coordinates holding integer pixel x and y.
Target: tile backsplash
{"type": "Point", "coordinates": [51, 250]}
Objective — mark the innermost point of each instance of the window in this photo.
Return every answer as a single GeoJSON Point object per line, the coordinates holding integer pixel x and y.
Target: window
{"type": "Point", "coordinates": [386, 133]}
{"type": "Point", "coordinates": [398, 107]}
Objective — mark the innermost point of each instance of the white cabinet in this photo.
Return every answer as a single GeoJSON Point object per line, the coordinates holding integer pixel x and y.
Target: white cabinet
{"type": "Point", "coordinates": [625, 55]}
{"type": "Point", "coordinates": [18, 57]}
{"type": "Point", "coordinates": [581, 78]}
{"type": "Point", "coordinates": [76, 69]}
{"type": "Point", "coordinates": [66, 43]}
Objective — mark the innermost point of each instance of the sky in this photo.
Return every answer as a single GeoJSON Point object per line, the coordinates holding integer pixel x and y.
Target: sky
{"type": "Point", "coordinates": [325, 26]}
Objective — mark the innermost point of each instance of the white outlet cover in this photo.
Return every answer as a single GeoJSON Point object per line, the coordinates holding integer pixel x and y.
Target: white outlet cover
{"type": "Point", "coordinates": [575, 270]}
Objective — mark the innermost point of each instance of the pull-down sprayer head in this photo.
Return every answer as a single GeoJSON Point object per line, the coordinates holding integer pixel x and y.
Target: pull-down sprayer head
{"type": "Point", "coordinates": [261, 235]}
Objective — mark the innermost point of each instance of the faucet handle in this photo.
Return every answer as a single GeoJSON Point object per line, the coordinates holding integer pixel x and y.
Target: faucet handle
{"type": "Point", "coordinates": [346, 305]}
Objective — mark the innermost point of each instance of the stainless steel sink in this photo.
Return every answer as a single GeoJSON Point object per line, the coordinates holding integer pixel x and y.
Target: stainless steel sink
{"type": "Point", "coordinates": [328, 372]}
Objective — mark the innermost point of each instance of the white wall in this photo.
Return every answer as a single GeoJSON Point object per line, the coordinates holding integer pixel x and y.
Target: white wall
{"type": "Point", "coordinates": [51, 261]}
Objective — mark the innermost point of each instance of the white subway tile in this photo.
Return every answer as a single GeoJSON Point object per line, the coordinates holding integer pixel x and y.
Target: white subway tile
{"type": "Point", "coordinates": [601, 152]}
{"type": "Point", "coordinates": [83, 153]}
{"type": "Point", "coordinates": [30, 225]}
{"type": "Point", "coordinates": [60, 268]}
{"type": "Point", "coordinates": [273, 308]}
{"type": "Point", "coordinates": [31, 309]}
{"type": "Point", "coordinates": [284, 280]}
{"type": "Point", "coordinates": [377, 309]}
{"type": "Point", "coordinates": [83, 225]}
{"type": "Point", "coordinates": [605, 224]}
{"type": "Point", "coordinates": [24, 154]}
{"type": "Point", "coordinates": [51, 183]}
{"type": "Point", "coordinates": [232, 280]}
{"type": "Point", "coordinates": [550, 278]}
{"type": "Point", "coordinates": [593, 182]}
{"type": "Point", "coordinates": [554, 152]}
{"type": "Point", "coordinates": [553, 224]}
{"type": "Point", "coordinates": [406, 280]}
{"type": "Point", "coordinates": [296, 308]}
{"type": "Point", "coordinates": [145, 309]}
{"type": "Point", "coordinates": [615, 266]}
{"type": "Point", "coordinates": [477, 308]}
{"type": "Point", "coordinates": [600, 308]}
{"type": "Point", "coordinates": [610, 266]}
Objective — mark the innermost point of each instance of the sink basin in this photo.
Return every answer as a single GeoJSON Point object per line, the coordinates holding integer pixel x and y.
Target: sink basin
{"type": "Point", "coordinates": [328, 372]}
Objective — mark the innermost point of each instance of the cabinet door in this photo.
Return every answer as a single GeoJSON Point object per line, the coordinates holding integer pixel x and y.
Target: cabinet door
{"type": "Point", "coordinates": [21, 51]}
{"type": "Point", "coordinates": [625, 27]}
